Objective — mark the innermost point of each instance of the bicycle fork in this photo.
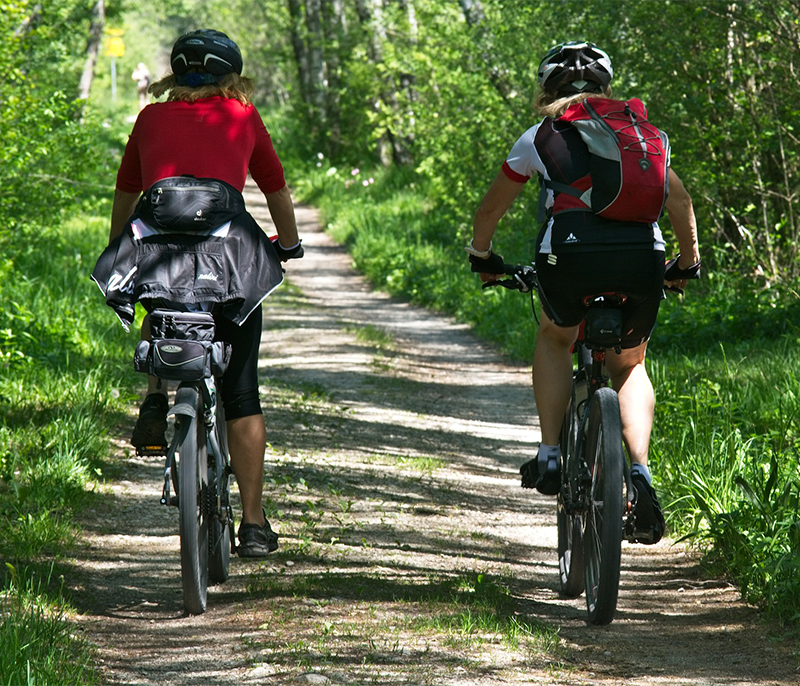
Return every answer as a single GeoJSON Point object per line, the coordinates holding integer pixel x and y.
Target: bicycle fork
{"type": "Point", "coordinates": [185, 407]}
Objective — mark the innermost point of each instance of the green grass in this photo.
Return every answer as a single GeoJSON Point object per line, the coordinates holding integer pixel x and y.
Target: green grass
{"type": "Point", "coordinates": [726, 448]}
{"type": "Point", "coordinates": [65, 382]}
{"type": "Point", "coordinates": [38, 645]}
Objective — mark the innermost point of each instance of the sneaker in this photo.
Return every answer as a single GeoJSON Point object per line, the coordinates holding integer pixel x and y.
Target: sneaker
{"type": "Point", "coordinates": [548, 483]}
{"type": "Point", "coordinates": [151, 427]}
{"type": "Point", "coordinates": [256, 540]}
{"type": "Point", "coordinates": [649, 525]}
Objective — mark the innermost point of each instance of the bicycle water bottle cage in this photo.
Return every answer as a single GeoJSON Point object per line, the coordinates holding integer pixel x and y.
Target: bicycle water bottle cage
{"type": "Point", "coordinates": [603, 328]}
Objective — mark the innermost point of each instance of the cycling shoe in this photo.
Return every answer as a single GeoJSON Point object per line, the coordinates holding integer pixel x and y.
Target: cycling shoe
{"type": "Point", "coordinates": [256, 540]}
{"type": "Point", "coordinates": [649, 525]}
{"type": "Point", "coordinates": [547, 483]}
{"type": "Point", "coordinates": [150, 431]}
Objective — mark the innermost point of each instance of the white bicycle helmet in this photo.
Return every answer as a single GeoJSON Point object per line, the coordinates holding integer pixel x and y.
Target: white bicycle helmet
{"type": "Point", "coordinates": [575, 67]}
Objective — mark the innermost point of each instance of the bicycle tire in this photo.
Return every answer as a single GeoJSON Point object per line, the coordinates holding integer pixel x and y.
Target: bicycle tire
{"type": "Point", "coordinates": [602, 538]}
{"type": "Point", "coordinates": [221, 527]}
{"type": "Point", "coordinates": [568, 523]}
{"type": "Point", "coordinates": [192, 506]}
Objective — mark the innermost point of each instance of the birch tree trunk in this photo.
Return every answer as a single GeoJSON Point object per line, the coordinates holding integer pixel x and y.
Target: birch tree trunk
{"type": "Point", "coordinates": [476, 19]}
{"type": "Point", "coordinates": [390, 145]}
{"type": "Point", "coordinates": [92, 49]}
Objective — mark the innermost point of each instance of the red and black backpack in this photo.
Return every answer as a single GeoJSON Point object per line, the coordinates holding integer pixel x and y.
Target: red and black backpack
{"type": "Point", "coordinates": [628, 176]}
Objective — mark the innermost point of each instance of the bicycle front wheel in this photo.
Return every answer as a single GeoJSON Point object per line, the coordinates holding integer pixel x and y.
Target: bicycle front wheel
{"type": "Point", "coordinates": [192, 507]}
{"type": "Point", "coordinates": [568, 521]}
{"type": "Point", "coordinates": [602, 539]}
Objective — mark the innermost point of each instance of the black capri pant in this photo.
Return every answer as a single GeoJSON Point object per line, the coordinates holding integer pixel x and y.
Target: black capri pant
{"type": "Point", "coordinates": [239, 386]}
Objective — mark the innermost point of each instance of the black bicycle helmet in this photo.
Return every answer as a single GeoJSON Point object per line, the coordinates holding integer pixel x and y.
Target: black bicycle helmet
{"type": "Point", "coordinates": [203, 56]}
{"type": "Point", "coordinates": [575, 67]}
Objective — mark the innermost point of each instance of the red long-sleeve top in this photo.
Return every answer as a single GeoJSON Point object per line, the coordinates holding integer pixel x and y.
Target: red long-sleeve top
{"type": "Point", "coordinates": [214, 137]}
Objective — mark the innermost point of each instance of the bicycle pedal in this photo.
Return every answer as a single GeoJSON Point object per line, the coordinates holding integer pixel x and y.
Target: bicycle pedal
{"type": "Point", "coordinates": [151, 450]}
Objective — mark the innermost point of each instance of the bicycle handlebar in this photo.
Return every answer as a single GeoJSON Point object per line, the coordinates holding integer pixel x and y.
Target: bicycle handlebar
{"type": "Point", "coordinates": [523, 278]}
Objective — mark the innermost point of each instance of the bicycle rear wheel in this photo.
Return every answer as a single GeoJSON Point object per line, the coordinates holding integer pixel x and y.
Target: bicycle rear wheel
{"type": "Point", "coordinates": [192, 506]}
{"type": "Point", "coordinates": [602, 539]}
{"type": "Point", "coordinates": [221, 527]}
{"type": "Point", "coordinates": [569, 522]}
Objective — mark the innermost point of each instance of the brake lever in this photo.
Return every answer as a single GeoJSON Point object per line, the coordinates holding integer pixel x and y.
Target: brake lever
{"type": "Point", "coordinates": [511, 284]}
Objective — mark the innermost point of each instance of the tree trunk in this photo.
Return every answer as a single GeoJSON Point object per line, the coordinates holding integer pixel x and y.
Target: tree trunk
{"type": "Point", "coordinates": [316, 64]}
{"type": "Point", "coordinates": [92, 49]}
{"type": "Point", "coordinates": [391, 144]}
{"type": "Point", "coordinates": [476, 19]}
{"type": "Point", "coordinates": [335, 23]}
{"type": "Point", "coordinates": [473, 11]}
{"type": "Point", "coordinates": [298, 45]}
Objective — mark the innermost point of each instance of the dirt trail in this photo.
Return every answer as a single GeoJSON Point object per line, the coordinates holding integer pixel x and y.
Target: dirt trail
{"type": "Point", "coordinates": [395, 438]}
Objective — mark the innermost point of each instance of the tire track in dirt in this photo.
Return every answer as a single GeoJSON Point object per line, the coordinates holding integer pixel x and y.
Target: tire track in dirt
{"type": "Point", "coordinates": [364, 534]}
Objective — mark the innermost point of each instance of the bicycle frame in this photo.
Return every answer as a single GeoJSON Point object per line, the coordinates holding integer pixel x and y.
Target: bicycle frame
{"type": "Point", "coordinates": [590, 369]}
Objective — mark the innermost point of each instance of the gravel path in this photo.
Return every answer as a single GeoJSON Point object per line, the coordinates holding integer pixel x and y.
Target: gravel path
{"type": "Point", "coordinates": [395, 438]}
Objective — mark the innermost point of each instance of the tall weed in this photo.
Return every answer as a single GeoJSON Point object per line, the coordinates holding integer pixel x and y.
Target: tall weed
{"type": "Point", "coordinates": [726, 446]}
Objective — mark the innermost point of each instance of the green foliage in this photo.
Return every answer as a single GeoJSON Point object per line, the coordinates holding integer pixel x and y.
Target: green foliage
{"type": "Point", "coordinates": [726, 446]}
{"type": "Point", "coordinates": [47, 154]}
{"type": "Point", "coordinates": [62, 379]}
{"type": "Point", "coordinates": [37, 645]}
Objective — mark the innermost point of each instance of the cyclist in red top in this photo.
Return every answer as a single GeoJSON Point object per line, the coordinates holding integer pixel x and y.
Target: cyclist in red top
{"type": "Point", "coordinates": [579, 254]}
{"type": "Point", "coordinates": [208, 128]}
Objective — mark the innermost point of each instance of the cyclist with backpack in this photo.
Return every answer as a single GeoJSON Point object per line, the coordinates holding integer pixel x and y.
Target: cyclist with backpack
{"type": "Point", "coordinates": [591, 241]}
{"type": "Point", "coordinates": [209, 129]}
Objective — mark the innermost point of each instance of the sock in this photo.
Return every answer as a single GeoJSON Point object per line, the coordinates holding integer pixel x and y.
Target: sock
{"type": "Point", "coordinates": [639, 468]}
{"type": "Point", "coordinates": [548, 457]}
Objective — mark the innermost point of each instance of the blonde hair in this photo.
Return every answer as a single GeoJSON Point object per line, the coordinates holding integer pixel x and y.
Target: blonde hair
{"type": "Point", "coordinates": [229, 86]}
{"type": "Point", "coordinates": [549, 104]}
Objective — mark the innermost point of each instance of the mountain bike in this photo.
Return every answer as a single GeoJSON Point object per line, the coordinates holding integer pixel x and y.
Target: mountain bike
{"type": "Point", "coordinates": [197, 469]}
{"type": "Point", "coordinates": [595, 507]}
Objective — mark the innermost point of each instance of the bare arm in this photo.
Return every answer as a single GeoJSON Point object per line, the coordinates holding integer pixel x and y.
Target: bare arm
{"type": "Point", "coordinates": [495, 204]}
{"type": "Point", "coordinates": [124, 204]}
{"type": "Point", "coordinates": [281, 209]}
{"type": "Point", "coordinates": [681, 214]}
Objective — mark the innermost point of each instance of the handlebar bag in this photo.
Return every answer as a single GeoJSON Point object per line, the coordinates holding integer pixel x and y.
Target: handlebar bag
{"type": "Point", "coordinates": [182, 347]}
{"type": "Point", "coordinates": [182, 360]}
{"type": "Point", "coordinates": [185, 204]}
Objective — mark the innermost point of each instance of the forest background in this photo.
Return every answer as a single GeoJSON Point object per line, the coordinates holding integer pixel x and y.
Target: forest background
{"type": "Point", "coordinates": [393, 116]}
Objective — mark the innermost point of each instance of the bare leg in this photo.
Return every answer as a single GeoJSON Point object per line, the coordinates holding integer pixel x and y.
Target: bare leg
{"type": "Point", "coordinates": [552, 376]}
{"type": "Point", "coordinates": [152, 381]}
{"type": "Point", "coordinates": [636, 399]}
{"type": "Point", "coordinates": [247, 442]}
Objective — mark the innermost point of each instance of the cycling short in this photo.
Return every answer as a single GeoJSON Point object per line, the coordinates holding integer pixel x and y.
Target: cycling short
{"type": "Point", "coordinates": [239, 386]}
{"type": "Point", "coordinates": [639, 274]}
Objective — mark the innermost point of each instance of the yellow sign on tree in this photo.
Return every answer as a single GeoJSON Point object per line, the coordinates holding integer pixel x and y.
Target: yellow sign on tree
{"type": "Point", "coordinates": [115, 46]}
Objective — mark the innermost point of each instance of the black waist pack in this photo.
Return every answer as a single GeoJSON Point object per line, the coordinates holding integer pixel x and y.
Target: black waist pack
{"type": "Point", "coordinates": [182, 347]}
{"type": "Point", "coordinates": [186, 204]}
